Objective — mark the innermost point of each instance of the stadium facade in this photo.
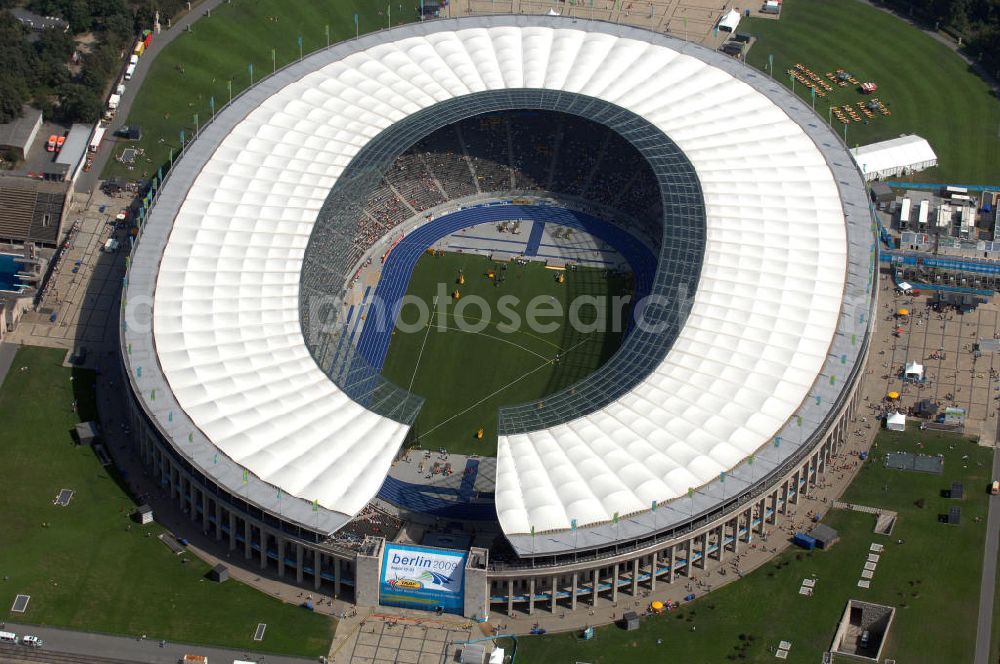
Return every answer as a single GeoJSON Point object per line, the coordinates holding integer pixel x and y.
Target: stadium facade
{"type": "Point", "coordinates": [700, 432]}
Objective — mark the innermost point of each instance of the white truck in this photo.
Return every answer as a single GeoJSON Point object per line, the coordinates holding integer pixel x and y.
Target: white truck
{"type": "Point", "coordinates": [129, 72]}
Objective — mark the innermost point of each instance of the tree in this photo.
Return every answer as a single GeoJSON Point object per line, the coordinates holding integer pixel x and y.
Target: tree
{"type": "Point", "coordinates": [78, 104]}
{"type": "Point", "coordinates": [11, 101]}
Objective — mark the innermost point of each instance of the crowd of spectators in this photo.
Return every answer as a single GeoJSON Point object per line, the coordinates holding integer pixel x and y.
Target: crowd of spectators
{"type": "Point", "coordinates": [370, 522]}
{"type": "Point", "coordinates": [513, 151]}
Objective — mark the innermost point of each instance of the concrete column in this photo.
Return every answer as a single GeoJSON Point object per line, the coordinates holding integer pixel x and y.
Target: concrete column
{"type": "Point", "coordinates": [635, 578]}
{"type": "Point", "coordinates": [205, 523]}
{"type": "Point", "coordinates": [531, 596]}
{"type": "Point", "coordinates": [652, 570]}
{"type": "Point", "coordinates": [263, 547]}
{"type": "Point", "coordinates": [317, 569]}
{"type": "Point", "coordinates": [247, 539]}
{"type": "Point", "coordinates": [279, 543]}
{"type": "Point", "coordinates": [218, 520]}
{"type": "Point", "coordinates": [736, 534]}
{"type": "Point", "coordinates": [510, 597]}
{"type": "Point", "coordinates": [596, 580]}
{"type": "Point", "coordinates": [232, 530]}
{"type": "Point", "coordinates": [298, 562]}
{"type": "Point", "coordinates": [614, 584]}
{"type": "Point", "coordinates": [336, 576]}
{"type": "Point", "coordinates": [572, 592]}
{"type": "Point", "coordinates": [673, 563]}
{"type": "Point", "coordinates": [720, 533]}
{"type": "Point", "coordinates": [704, 550]}
{"type": "Point", "coordinates": [173, 485]}
{"type": "Point", "coordinates": [554, 583]}
{"type": "Point", "coordinates": [763, 516]}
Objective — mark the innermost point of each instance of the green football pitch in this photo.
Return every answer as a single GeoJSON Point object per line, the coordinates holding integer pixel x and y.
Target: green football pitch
{"type": "Point", "coordinates": [467, 357]}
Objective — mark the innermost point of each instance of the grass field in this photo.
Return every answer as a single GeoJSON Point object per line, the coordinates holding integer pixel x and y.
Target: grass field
{"type": "Point", "coordinates": [929, 89]}
{"type": "Point", "coordinates": [220, 49]}
{"type": "Point", "coordinates": [83, 565]}
{"type": "Point", "coordinates": [466, 375]}
{"type": "Point", "coordinates": [932, 579]}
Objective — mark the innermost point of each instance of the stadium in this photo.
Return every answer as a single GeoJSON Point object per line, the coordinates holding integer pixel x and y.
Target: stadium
{"type": "Point", "coordinates": [262, 313]}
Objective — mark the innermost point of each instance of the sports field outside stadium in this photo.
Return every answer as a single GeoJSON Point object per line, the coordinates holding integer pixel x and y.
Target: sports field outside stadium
{"type": "Point", "coordinates": [469, 356]}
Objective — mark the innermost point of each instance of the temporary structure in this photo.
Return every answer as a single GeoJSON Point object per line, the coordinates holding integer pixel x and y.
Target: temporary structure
{"type": "Point", "coordinates": [894, 157]}
{"type": "Point", "coordinates": [903, 312]}
{"type": "Point", "coordinates": [729, 22]}
{"type": "Point", "coordinates": [895, 422]}
{"type": "Point", "coordinates": [913, 371]}
{"type": "Point", "coordinates": [892, 395]}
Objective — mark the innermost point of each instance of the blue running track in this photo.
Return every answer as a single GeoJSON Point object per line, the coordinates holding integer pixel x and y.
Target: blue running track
{"type": "Point", "coordinates": [373, 343]}
{"type": "Point", "coordinates": [535, 238]}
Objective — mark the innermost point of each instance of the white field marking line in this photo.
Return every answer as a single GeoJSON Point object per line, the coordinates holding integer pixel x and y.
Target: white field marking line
{"type": "Point", "coordinates": [427, 332]}
{"type": "Point", "coordinates": [497, 325]}
{"type": "Point", "coordinates": [506, 341]}
{"type": "Point", "coordinates": [498, 390]}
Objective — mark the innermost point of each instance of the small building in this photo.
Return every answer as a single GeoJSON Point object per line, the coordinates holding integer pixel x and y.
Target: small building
{"type": "Point", "coordinates": [630, 621]}
{"type": "Point", "coordinates": [913, 371]}
{"type": "Point", "coordinates": [219, 573]}
{"type": "Point", "coordinates": [897, 156]}
{"type": "Point", "coordinates": [895, 421]}
{"type": "Point", "coordinates": [954, 516]}
{"type": "Point", "coordinates": [954, 415]}
{"type": "Point", "coordinates": [473, 653]}
{"type": "Point", "coordinates": [75, 149]}
{"type": "Point", "coordinates": [86, 432]}
{"type": "Point", "coordinates": [825, 536]}
{"type": "Point", "coordinates": [144, 514]}
{"type": "Point", "coordinates": [19, 134]}
{"type": "Point", "coordinates": [925, 408]}
{"type": "Point", "coordinates": [881, 193]}
{"type": "Point", "coordinates": [957, 491]}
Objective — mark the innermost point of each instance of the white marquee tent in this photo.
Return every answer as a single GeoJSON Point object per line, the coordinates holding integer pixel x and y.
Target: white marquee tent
{"type": "Point", "coordinates": [913, 371]}
{"type": "Point", "coordinates": [895, 422]}
{"type": "Point", "coordinates": [894, 157]}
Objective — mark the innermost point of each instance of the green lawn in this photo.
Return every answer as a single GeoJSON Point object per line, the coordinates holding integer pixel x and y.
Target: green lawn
{"type": "Point", "coordinates": [85, 566]}
{"type": "Point", "coordinates": [220, 48]}
{"type": "Point", "coordinates": [932, 579]}
{"type": "Point", "coordinates": [466, 375]}
{"type": "Point", "coordinates": [929, 89]}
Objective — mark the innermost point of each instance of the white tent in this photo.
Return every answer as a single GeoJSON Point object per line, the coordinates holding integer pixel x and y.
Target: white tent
{"type": "Point", "coordinates": [894, 157]}
{"type": "Point", "coordinates": [895, 422]}
{"type": "Point", "coordinates": [729, 22]}
{"type": "Point", "coordinates": [553, 12]}
{"type": "Point", "coordinates": [904, 286]}
{"type": "Point", "coordinates": [914, 371]}
{"type": "Point", "coordinates": [496, 657]}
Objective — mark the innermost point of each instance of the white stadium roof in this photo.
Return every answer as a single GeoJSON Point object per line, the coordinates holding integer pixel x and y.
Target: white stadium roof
{"type": "Point", "coordinates": [228, 340]}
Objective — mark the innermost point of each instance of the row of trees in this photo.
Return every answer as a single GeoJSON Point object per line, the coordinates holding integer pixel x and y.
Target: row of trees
{"type": "Point", "coordinates": [36, 64]}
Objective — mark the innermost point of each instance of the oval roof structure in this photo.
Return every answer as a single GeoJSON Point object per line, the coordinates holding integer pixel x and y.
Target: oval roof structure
{"type": "Point", "coordinates": [222, 253]}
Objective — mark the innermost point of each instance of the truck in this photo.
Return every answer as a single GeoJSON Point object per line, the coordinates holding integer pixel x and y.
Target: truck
{"type": "Point", "coordinates": [113, 101]}
{"type": "Point", "coordinates": [129, 72]}
{"type": "Point", "coordinates": [139, 48]}
{"type": "Point", "coordinates": [807, 542]}
{"type": "Point", "coordinates": [194, 659]}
